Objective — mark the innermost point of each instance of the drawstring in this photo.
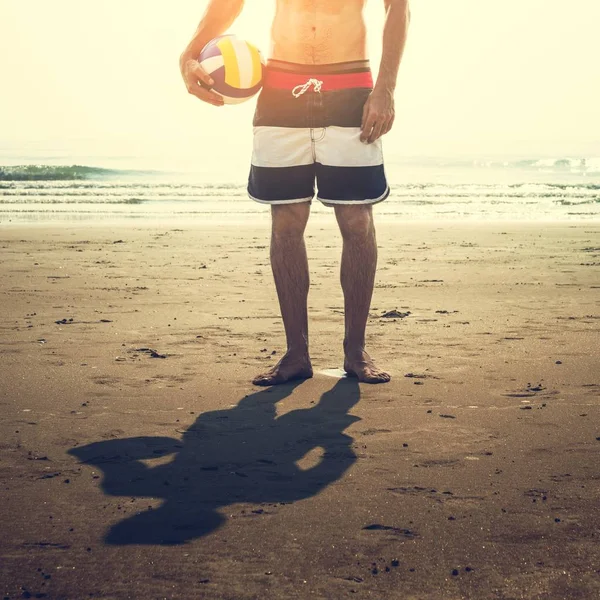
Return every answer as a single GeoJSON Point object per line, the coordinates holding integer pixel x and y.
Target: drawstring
{"type": "Point", "coordinates": [317, 83]}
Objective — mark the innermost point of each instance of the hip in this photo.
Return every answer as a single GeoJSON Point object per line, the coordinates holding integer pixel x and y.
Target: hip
{"type": "Point", "coordinates": [314, 96]}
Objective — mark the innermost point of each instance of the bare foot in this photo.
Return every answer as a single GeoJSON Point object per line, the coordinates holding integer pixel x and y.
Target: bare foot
{"type": "Point", "coordinates": [289, 368]}
{"type": "Point", "coordinates": [359, 364]}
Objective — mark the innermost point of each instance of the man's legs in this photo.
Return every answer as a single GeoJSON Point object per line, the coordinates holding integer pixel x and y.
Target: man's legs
{"type": "Point", "coordinates": [289, 264]}
{"type": "Point", "coordinates": [357, 274]}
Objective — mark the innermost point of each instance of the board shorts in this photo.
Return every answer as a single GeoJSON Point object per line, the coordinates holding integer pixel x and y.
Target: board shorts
{"type": "Point", "coordinates": [307, 130]}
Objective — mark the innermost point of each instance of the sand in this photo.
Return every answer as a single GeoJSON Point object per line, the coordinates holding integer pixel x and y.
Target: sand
{"type": "Point", "coordinates": [138, 460]}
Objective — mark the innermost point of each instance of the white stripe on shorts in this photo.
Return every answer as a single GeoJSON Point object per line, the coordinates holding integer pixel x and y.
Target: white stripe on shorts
{"type": "Point", "coordinates": [332, 146]}
{"type": "Point", "coordinates": [341, 147]}
{"type": "Point", "coordinates": [282, 147]}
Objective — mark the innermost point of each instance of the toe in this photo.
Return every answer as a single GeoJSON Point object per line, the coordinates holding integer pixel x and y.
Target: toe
{"type": "Point", "coordinates": [263, 379]}
{"type": "Point", "coordinates": [377, 377]}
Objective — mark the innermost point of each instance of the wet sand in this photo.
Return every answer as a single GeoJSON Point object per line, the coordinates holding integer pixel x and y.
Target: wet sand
{"type": "Point", "coordinates": [137, 460]}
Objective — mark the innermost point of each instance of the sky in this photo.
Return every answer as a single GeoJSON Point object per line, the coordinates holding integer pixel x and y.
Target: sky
{"type": "Point", "coordinates": [479, 77]}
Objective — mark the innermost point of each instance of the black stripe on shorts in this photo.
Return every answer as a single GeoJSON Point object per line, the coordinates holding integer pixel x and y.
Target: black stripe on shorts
{"type": "Point", "coordinates": [282, 183]}
{"type": "Point", "coordinates": [349, 184]}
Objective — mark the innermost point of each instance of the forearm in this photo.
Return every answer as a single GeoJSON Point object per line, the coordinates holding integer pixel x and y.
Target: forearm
{"type": "Point", "coordinates": [395, 32]}
{"type": "Point", "coordinates": [218, 17]}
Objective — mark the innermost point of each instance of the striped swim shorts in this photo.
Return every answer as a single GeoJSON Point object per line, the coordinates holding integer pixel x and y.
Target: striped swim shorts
{"type": "Point", "coordinates": [307, 130]}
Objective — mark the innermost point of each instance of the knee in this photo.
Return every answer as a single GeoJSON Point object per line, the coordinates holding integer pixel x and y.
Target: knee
{"type": "Point", "coordinates": [289, 220]}
{"type": "Point", "coordinates": [355, 221]}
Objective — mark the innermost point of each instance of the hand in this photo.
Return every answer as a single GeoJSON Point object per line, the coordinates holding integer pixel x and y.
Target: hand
{"type": "Point", "coordinates": [198, 82]}
{"type": "Point", "coordinates": [378, 116]}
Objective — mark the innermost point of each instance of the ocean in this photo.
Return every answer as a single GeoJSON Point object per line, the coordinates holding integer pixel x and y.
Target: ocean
{"type": "Point", "coordinates": [45, 189]}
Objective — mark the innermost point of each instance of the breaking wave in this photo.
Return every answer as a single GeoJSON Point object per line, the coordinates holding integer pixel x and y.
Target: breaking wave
{"type": "Point", "coordinates": [58, 173]}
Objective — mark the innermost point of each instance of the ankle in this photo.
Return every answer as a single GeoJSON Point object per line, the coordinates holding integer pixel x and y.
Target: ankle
{"type": "Point", "coordinates": [352, 346]}
{"type": "Point", "coordinates": [297, 350]}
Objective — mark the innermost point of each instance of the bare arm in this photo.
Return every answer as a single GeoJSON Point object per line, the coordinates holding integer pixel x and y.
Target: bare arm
{"type": "Point", "coordinates": [378, 114]}
{"type": "Point", "coordinates": [395, 32]}
{"type": "Point", "coordinates": [218, 17]}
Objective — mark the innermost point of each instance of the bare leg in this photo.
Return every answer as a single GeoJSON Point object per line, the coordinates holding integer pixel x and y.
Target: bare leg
{"type": "Point", "coordinates": [359, 264]}
{"type": "Point", "coordinates": [289, 263]}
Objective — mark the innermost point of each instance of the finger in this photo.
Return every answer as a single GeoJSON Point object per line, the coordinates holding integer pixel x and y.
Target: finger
{"type": "Point", "coordinates": [200, 74]}
{"type": "Point", "coordinates": [376, 132]}
{"type": "Point", "coordinates": [367, 129]}
{"type": "Point", "coordinates": [206, 95]}
{"type": "Point", "coordinates": [390, 124]}
{"type": "Point", "coordinates": [385, 126]}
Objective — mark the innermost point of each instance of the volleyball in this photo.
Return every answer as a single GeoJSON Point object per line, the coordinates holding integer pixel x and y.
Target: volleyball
{"type": "Point", "coordinates": [236, 67]}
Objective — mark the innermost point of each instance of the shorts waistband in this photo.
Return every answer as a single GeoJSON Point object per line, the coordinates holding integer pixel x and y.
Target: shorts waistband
{"type": "Point", "coordinates": [340, 81]}
{"type": "Point", "coordinates": [351, 66]}
{"type": "Point", "coordinates": [335, 76]}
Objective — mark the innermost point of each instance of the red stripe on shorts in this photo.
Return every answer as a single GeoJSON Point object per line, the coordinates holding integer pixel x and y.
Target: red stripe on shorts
{"type": "Point", "coordinates": [335, 81]}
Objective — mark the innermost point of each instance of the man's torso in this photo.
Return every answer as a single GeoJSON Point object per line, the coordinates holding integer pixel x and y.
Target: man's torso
{"type": "Point", "coordinates": [318, 31]}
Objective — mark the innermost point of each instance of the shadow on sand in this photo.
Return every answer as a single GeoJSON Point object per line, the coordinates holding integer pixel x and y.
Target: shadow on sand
{"type": "Point", "coordinates": [242, 454]}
